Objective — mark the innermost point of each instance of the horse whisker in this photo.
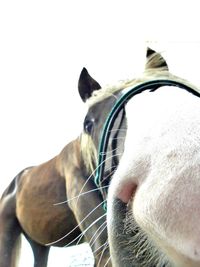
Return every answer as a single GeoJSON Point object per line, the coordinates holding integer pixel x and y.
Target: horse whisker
{"type": "Point", "coordinates": [104, 249]}
{"type": "Point", "coordinates": [83, 232]}
{"type": "Point", "coordinates": [107, 176]}
{"type": "Point", "coordinates": [54, 242]}
{"type": "Point", "coordinates": [98, 235]}
{"type": "Point", "coordinates": [87, 180]}
{"type": "Point", "coordinates": [105, 244]}
{"type": "Point", "coordinates": [82, 194]}
{"type": "Point", "coordinates": [108, 152]}
{"type": "Point", "coordinates": [91, 243]}
{"type": "Point", "coordinates": [91, 226]}
{"type": "Point", "coordinates": [91, 175]}
{"type": "Point", "coordinates": [107, 262]}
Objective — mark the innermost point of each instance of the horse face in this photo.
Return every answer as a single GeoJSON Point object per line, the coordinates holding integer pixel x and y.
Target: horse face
{"type": "Point", "coordinates": [96, 117]}
{"type": "Point", "coordinates": [153, 199]}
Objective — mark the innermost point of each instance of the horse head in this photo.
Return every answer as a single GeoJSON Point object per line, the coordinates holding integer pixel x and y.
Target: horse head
{"type": "Point", "coordinates": [151, 164]}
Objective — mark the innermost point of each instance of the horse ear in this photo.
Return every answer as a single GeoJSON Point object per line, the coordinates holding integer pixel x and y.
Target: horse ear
{"type": "Point", "coordinates": [86, 85]}
{"type": "Point", "coordinates": [155, 60]}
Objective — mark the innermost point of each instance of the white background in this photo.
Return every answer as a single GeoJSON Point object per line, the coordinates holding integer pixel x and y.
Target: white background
{"type": "Point", "coordinates": [45, 44]}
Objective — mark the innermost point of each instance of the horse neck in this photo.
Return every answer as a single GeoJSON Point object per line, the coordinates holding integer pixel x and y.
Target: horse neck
{"type": "Point", "coordinates": [70, 157]}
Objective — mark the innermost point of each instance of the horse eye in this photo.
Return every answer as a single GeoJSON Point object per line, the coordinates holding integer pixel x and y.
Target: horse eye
{"type": "Point", "coordinates": [88, 125]}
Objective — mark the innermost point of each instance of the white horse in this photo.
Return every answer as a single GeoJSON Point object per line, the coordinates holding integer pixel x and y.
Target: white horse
{"type": "Point", "coordinates": [154, 195]}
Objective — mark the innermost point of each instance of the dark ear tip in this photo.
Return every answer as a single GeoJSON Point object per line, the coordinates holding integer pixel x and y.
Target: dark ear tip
{"type": "Point", "coordinates": [155, 60]}
{"type": "Point", "coordinates": [150, 52]}
{"type": "Point", "coordinates": [84, 72]}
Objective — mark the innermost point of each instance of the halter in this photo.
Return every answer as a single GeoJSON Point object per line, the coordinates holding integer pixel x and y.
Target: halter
{"type": "Point", "coordinates": [118, 106]}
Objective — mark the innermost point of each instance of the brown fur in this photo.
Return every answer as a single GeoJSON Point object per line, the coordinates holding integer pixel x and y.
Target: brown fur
{"type": "Point", "coordinates": [28, 207]}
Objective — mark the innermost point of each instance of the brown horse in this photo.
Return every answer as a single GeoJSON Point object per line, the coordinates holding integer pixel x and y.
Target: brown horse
{"type": "Point", "coordinates": [28, 204]}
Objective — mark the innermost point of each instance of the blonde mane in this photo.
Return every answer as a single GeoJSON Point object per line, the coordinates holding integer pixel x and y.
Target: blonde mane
{"type": "Point", "coordinates": [154, 69]}
{"type": "Point", "coordinates": [89, 152]}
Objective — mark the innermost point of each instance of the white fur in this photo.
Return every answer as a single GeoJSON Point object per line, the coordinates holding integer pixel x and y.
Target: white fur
{"type": "Point", "coordinates": [162, 157]}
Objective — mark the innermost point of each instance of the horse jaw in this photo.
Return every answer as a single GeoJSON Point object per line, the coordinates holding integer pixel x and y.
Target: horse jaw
{"type": "Point", "coordinates": [158, 176]}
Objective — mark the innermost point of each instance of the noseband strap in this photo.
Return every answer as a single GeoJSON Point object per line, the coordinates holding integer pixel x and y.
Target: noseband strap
{"type": "Point", "coordinates": [119, 105]}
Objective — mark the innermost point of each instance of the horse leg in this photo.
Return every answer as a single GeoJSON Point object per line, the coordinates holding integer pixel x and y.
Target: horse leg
{"type": "Point", "coordinates": [10, 231]}
{"type": "Point", "coordinates": [9, 244]}
{"type": "Point", "coordinates": [40, 253]}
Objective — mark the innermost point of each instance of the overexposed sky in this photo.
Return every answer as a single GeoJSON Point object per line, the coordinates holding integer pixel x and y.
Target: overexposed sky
{"type": "Point", "coordinates": [45, 44]}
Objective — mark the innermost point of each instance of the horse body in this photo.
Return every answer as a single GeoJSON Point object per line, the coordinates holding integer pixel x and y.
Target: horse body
{"type": "Point", "coordinates": [35, 212]}
{"type": "Point", "coordinates": [55, 221]}
{"type": "Point", "coordinates": [30, 206]}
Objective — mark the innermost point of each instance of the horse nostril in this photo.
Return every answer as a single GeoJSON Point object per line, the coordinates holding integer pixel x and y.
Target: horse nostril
{"type": "Point", "coordinates": [127, 192]}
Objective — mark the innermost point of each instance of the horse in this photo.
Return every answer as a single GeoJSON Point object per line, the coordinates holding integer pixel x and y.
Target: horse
{"type": "Point", "coordinates": [140, 150]}
{"type": "Point", "coordinates": [32, 203]}
{"type": "Point", "coordinates": [150, 142]}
